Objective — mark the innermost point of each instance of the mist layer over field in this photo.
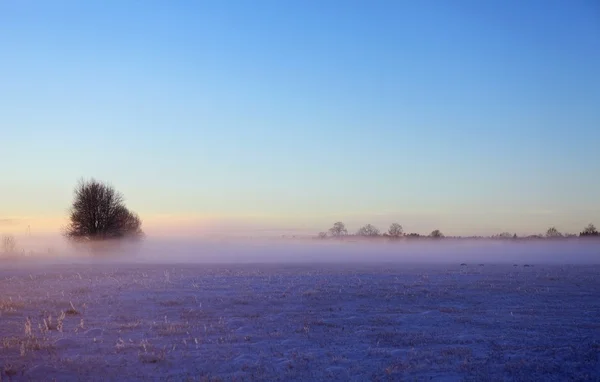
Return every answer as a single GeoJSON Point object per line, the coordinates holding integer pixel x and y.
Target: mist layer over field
{"type": "Point", "coordinates": [448, 251]}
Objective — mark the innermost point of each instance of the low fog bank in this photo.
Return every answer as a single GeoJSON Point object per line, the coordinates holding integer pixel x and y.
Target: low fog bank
{"type": "Point", "coordinates": [251, 251]}
{"type": "Point", "coordinates": [44, 250]}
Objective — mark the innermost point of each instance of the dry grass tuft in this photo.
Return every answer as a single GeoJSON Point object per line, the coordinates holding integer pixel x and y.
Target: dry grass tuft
{"type": "Point", "coordinates": [130, 325]}
{"type": "Point", "coordinates": [29, 343]}
{"type": "Point", "coordinates": [10, 371]}
{"type": "Point", "coordinates": [171, 328]}
{"type": "Point", "coordinates": [194, 315]}
{"type": "Point", "coordinates": [153, 356]}
{"type": "Point", "coordinates": [8, 305]}
{"type": "Point", "coordinates": [71, 311]}
{"type": "Point", "coordinates": [34, 344]}
{"type": "Point", "coordinates": [50, 325]}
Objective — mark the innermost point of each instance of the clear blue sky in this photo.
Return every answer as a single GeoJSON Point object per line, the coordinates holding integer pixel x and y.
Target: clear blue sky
{"type": "Point", "coordinates": [468, 116]}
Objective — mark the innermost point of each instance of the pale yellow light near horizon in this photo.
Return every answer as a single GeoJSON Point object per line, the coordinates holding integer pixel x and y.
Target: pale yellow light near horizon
{"type": "Point", "coordinates": [54, 224]}
{"type": "Point", "coordinates": [196, 224]}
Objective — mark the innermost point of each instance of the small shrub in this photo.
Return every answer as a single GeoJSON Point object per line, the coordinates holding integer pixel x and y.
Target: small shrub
{"type": "Point", "coordinates": [9, 244]}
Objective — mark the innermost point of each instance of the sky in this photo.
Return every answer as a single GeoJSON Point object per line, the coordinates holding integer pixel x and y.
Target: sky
{"type": "Point", "coordinates": [285, 116]}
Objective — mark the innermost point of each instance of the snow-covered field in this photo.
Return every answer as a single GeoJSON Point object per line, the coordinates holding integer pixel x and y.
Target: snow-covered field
{"type": "Point", "coordinates": [299, 322]}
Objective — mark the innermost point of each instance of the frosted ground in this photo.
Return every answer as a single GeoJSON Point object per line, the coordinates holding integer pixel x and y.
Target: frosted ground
{"type": "Point", "coordinates": [84, 322]}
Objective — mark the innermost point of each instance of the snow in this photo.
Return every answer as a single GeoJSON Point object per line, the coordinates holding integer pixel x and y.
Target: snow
{"type": "Point", "coordinates": [300, 322]}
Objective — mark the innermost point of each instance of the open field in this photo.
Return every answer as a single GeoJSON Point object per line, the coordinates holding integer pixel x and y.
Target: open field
{"type": "Point", "coordinates": [299, 322]}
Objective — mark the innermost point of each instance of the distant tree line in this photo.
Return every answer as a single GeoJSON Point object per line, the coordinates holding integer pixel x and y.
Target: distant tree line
{"type": "Point", "coordinates": [395, 231]}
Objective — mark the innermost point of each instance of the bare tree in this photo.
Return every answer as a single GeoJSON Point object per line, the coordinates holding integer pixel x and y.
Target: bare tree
{"type": "Point", "coordinates": [395, 231]}
{"type": "Point", "coordinates": [553, 233]}
{"type": "Point", "coordinates": [437, 234]}
{"type": "Point", "coordinates": [322, 235]}
{"type": "Point", "coordinates": [590, 230]}
{"type": "Point", "coordinates": [338, 229]}
{"type": "Point", "coordinates": [99, 213]}
{"type": "Point", "coordinates": [9, 244]}
{"type": "Point", "coordinates": [368, 230]}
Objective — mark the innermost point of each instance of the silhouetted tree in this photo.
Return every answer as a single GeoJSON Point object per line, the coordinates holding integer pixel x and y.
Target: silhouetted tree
{"type": "Point", "coordinates": [338, 229]}
{"type": "Point", "coordinates": [553, 233]}
{"type": "Point", "coordinates": [437, 234]}
{"type": "Point", "coordinates": [590, 230]}
{"type": "Point", "coordinates": [98, 212]}
{"type": "Point", "coordinates": [368, 230]}
{"type": "Point", "coordinates": [395, 230]}
{"type": "Point", "coordinates": [413, 235]}
{"type": "Point", "coordinates": [322, 235]}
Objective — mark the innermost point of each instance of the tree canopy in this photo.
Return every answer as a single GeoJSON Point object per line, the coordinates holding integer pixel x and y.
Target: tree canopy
{"type": "Point", "coordinates": [98, 212]}
{"type": "Point", "coordinates": [553, 233]}
{"type": "Point", "coordinates": [590, 230]}
{"type": "Point", "coordinates": [437, 234]}
{"type": "Point", "coordinates": [368, 230]}
{"type": "Point", "coordinates": [395, 230]}
{"type": "Point", "coordinates": [338, 229]}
